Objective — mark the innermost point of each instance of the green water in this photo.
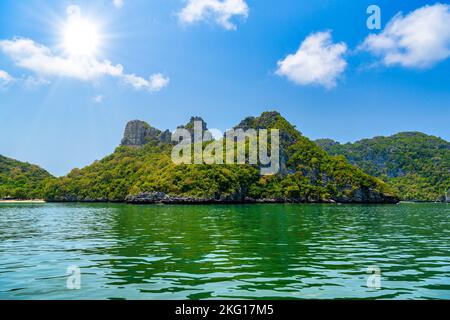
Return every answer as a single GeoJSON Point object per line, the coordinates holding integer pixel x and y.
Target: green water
{"type": "Point", "coordinates": [224, 252]}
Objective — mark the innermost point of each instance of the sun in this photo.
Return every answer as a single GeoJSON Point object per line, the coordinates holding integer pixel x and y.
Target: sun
{"type": "Point", "coordinates": [81, 36]}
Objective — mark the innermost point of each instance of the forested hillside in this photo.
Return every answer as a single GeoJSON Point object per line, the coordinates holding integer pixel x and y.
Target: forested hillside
{"type": "Point", "coordinates": [415, 164]}
{"type": "Point", "coordinates": [21, 180]}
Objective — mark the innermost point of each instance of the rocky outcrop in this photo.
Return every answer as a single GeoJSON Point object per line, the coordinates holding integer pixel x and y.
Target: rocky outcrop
{"type": "Point", "coordinates": [162, 198]}
{"type": "Point", "coordinates": [360, 196]}
{"type": "Point", "coordinates": [368, 196]}
{"type": "Point", "coordinates": [165, 137]}
{"type": "Point", "coordinates": [190, 126]}
{"type": "Point", "coordinates": [138, 133]}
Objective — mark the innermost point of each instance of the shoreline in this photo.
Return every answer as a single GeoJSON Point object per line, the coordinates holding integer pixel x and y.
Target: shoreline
{"type": "Point", "coordinates": [219, 202]}
{"type": "Point", "coordinates": [194, 202]}
{"type": "Point", "coordinates": [23, 201]}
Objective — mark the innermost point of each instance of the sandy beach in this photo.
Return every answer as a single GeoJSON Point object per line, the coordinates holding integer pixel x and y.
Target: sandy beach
{"type": "Point", "coordinates": [22, 201]}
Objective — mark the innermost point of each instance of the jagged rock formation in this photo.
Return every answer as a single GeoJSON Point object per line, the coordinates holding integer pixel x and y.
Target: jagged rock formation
{"type": "Point", "coordinates": [138, 133]}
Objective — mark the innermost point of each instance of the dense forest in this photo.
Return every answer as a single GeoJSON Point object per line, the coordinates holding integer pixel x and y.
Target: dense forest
{"type": "Point", "coordinates": [21, 180]}
{"type": "Point", "coordinates": [416, 165]}
{"type": "Point", "coordinates": [308, 173]}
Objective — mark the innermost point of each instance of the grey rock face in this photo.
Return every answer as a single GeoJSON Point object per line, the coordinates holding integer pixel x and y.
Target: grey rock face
{"type": "Point", "coordinates": [367, 196]}
{"type": "Point", "coordinates": [166, 137]}
{"type": "Point", "coordinates": [138, 133]}
{"type": "Point", "coordinates": [360, 196]}
{"type": "Point", "coordinates": [162, 198]}
{"type": "Point", "coordinates": [135, 133]}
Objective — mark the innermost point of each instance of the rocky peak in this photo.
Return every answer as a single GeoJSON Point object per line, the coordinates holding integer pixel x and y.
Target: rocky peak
{"type": "Point", "coordinates": [138, 133]}
{"type": "Point", "coordinates": [272, 120]}
{"type": "Point", "coordinates": [190, 126]}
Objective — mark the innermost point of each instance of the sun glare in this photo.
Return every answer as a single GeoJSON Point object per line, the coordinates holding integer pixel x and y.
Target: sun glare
{"type": "Point", "coordinates": [81, 37]}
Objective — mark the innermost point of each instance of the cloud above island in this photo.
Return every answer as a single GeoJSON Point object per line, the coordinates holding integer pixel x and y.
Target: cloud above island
{"type": "Point", "coordinates": [418, 40]}
{"type": "Point", "coordinates": [318, 61]}
{"type": "Point", "coordinates": [220, 12]}
{"type": "Point", "coordinates": [41, 60]}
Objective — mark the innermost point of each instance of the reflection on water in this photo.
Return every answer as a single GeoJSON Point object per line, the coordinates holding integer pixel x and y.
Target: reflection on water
{"type": "Point", "coordinates": [221, 252]}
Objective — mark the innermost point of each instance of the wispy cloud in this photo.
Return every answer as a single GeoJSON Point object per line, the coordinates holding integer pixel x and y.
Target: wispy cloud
{"type": "Point", "coordinates": [28, 82]}
{"type": "Point", "coordinates": [417, 40]}
{"type": "Point", "coordinates": [118, 3]}
{"type": "Point", "coordinates": [41, 60]}
{"type": "Point", "coordinates": [318, 61]}
{"type": "Point", "coordinates": [156, 82]}
{"type": "Point", "coordinates": [5, 78]}
{"type": "Point", "coordinates": [219, 11]}
{"type": "Point", "coordinates": [98, 98]}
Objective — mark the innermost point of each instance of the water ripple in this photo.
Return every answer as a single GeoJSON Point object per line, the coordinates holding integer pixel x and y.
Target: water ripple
{"type": "Point", "coordinates": [224, 252]}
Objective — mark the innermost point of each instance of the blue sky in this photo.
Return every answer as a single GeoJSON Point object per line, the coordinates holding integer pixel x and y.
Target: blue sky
{"type": "Point", "coordinates": [222, 63]}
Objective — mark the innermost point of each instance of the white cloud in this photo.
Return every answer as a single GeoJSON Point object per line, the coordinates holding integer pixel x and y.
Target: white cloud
{"type": "Point", "coordinates": [98, 98]}
{"type": "Point", "coordinates": [156, 82]}
{"type": "Point", "coordinates": [5, 78]}
{"type": "Point", "coordinates": [417, 40]}
{"type": "Point", "coordinates": [41, 60]}
{"type": "Point", "coordinates": [318, 61]}
{"type": "Point", "coordinates": [220, 11]}
{"type": "Point", "coordinates": [118, 3]}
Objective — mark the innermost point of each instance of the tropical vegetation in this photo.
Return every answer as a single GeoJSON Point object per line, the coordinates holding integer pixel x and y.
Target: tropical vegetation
{"type": "Point", "coordinates": [416, 165]}
{"type": "Point", "coordinates": [19, 180]}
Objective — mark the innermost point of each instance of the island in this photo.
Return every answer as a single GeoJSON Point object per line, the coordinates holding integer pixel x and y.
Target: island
{"type": "Point", "coordinates": [409, 166]}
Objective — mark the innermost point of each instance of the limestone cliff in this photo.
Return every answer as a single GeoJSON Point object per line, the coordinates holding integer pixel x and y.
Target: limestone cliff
{"type": "Point", "coordinates": [138, 133]}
